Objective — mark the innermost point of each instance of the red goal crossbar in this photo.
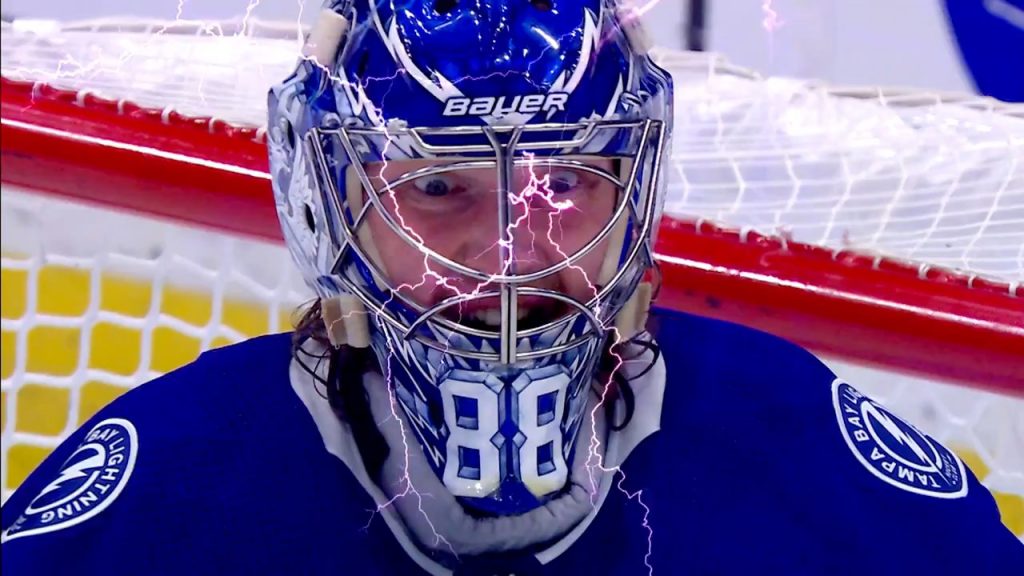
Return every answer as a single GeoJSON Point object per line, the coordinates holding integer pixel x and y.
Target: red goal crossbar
{"type": "Point", "coordinates": [907, 316]}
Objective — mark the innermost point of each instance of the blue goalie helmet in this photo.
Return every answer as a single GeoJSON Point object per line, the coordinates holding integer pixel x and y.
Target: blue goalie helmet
{"type": "Point", "coordinates": [472, 189]}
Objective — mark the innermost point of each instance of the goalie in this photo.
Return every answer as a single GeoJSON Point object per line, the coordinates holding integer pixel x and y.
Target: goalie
{"type": "Point", "coordinates": [472, 189]}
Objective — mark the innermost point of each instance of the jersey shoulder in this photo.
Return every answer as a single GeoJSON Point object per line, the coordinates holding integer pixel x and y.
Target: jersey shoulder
{"type": "Point", "coordinates": [222, 395]}
{"type": "Point", "coordinates": [714, 361]}
{"type": "Point", "coordinates": [769, 395]}
{"type": "Point", "coordinates": [186, 412]}
{"type": "Point", "coordinates": [227, 375]}
{"type": "Point", "coordinates": [206, 458]}
{"type": "Point", "coordinates": [819, 461]}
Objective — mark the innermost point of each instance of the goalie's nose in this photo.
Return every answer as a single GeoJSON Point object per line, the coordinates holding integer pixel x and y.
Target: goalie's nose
{"type": "Point", "coordinates": [529, 240]}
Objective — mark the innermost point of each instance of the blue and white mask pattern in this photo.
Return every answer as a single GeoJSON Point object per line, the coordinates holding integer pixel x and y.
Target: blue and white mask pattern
{"type": "Point", "coordinates": [488, 85]}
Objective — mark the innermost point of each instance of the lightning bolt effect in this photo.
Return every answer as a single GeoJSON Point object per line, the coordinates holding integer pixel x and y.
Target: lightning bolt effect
{"type": "Point", "coordinates": [771, 22]}
{"type": "Point", "coordinates": [536, 199]}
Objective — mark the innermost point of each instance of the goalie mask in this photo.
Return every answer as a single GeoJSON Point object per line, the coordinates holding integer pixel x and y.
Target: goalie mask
{"type": "Point", "coordinates": [471, 187]}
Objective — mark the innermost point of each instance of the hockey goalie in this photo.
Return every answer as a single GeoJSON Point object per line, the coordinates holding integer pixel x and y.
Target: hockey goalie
{"type": "Point", "coordinates": [472, 188]}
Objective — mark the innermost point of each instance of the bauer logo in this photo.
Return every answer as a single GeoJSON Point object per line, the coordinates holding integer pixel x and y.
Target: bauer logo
{"type": "Point", "coordinates": [895, 451]}
{"type": "Point", "coordinates": [505, 105]}
{"type": "Point", "coordinates": [87, 483]}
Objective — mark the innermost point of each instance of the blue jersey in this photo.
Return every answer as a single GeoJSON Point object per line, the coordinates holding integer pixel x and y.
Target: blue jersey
{"type": "Point", "coordinates": [759, 461]}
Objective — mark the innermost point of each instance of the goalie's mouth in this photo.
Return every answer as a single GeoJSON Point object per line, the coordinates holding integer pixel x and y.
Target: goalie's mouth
{"type": "Point", "coordinates": [529, 315]}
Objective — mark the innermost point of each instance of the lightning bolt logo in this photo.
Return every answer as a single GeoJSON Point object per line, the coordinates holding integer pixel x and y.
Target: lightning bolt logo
{"type": "Point", "coordinates": [90, 480]}
{"type": "Point", "coordinates": [902, 435]}
{"type": "Point", "coordinates": [87, 467]}
{"type": "Point", "coordinates": [893, 450]}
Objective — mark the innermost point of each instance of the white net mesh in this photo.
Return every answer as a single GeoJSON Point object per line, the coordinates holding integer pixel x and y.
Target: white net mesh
{"type": "Point", "coordinates": [920, 176]}
{"type": "Point", "coordinates": [198, 68]}
{"type": "Point", "coordinates": [96, 301]}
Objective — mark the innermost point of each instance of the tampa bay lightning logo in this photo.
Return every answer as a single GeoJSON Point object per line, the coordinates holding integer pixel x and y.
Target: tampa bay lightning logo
{"type": "Point", "coordinates": [895, 451]}
{"type": "Point", "coordinates": [90, 480]}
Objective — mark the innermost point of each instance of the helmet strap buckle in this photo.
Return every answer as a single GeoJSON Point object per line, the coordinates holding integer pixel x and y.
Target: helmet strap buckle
{"type": "Point", "coordinates": [632, 319]}
{"type": "Point", "coordinates": [346, 321]}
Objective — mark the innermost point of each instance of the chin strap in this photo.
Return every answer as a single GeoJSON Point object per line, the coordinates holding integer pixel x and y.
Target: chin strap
{"type": "Point", "coordinates": [632, 319]}
{"type": "Point", "coordinates": [346, 321]}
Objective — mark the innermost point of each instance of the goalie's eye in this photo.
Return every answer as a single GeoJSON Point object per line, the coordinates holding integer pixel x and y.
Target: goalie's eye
{"type": "Point", "coordinates": [563, 181]}
{"type": "Point", "coordinates": [435, 186]}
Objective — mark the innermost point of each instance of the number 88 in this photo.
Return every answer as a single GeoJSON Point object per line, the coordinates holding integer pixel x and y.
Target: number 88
{"type": "Point", "coordinates": [478, 455]}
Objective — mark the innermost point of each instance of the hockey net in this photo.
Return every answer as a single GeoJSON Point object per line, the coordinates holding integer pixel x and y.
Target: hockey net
{"type": "Point", "coordinates": [883, 229]}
